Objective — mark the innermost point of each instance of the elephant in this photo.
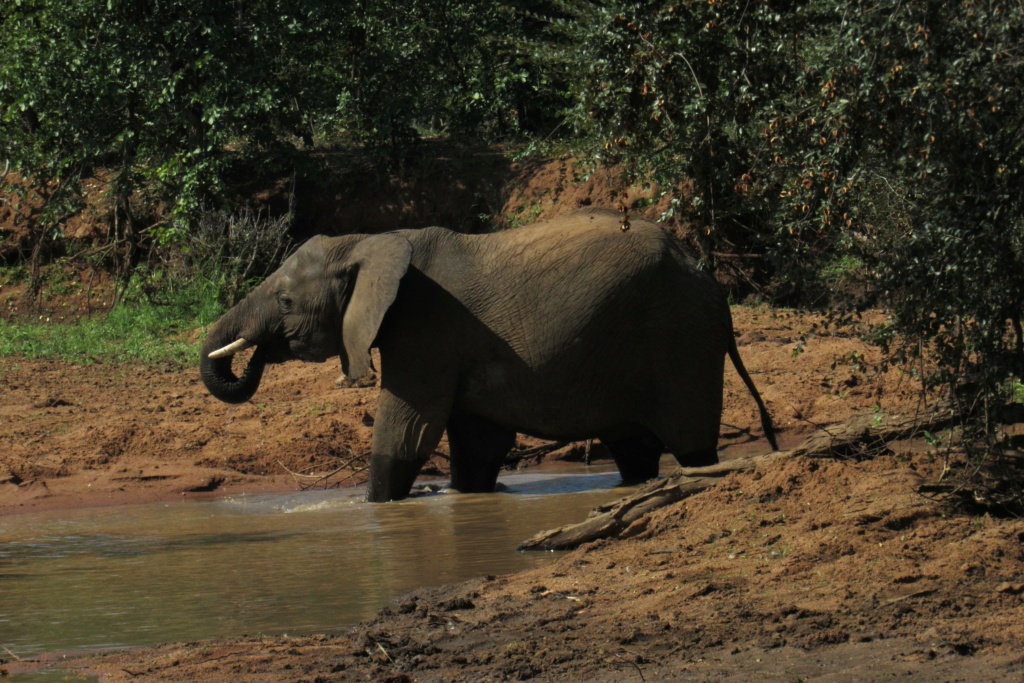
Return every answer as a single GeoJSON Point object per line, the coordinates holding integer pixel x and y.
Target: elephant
{"type": "Point", "coordinates": [584, 326]}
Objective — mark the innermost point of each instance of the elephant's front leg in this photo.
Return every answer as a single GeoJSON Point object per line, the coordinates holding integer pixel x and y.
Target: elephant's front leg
{"type": "Point", "coordinates": [404, 436]}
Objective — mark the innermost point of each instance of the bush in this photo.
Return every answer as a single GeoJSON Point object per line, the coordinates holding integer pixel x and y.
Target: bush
{"type": "Point", "coordinates": [164, 303]}
{"type": "Point", "coordinates": [234, 252]}
{"type": "Point", "coordinates": [819, 133]}
{"type": "Point", "coordinates": [177, 95]}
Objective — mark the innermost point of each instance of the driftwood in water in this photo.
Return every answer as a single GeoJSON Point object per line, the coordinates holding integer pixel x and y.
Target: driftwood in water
{"type": "Point", "coordinates": [625, 517]}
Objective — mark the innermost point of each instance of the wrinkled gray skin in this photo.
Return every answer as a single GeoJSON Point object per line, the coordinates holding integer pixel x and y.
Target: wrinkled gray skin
{"type": "Point", "coordinates": [568, 329]}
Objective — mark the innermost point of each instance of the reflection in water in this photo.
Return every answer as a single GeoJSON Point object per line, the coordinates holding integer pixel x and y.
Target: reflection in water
{"type": "Point", "coordinates": [315, 561]}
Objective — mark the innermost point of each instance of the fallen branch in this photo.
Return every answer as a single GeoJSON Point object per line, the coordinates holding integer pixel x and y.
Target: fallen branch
{"type": "Point", "coordinates": [616, 518]}
{"type": "Point", "coordinates": [625, 517]}
{"type": "Point", "coordinates": [858, 435]}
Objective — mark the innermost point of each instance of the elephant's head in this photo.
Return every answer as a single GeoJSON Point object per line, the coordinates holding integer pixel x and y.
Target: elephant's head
{"type": "Point", "coordinates": [328, 299]}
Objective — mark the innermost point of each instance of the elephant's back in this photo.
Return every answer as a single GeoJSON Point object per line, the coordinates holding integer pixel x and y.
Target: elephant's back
{"type": "Point", "coordinates": [576, 304]}
{"type": "Point", "coordinates": [595, 233]}
{"type": "Point", "coordinates": [544, 287]}
{"type": "Point", "coordinates": [578, 241]}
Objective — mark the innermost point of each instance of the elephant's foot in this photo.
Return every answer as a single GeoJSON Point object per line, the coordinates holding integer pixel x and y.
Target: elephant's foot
{"type": "Point", "coordinates": [637, 457]}
{"type": "Point", "coordinates": [701, 458]}
{"type": "Point", "coordinates": [390, 478]}
{"type": "Point", "coordinates": [637, 473]}
{"type": "Point", "coordinates": [478, 449]}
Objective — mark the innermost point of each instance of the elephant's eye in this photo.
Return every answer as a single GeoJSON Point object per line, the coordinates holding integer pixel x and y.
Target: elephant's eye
{"type": "Point", "coordinates": [285, 302]}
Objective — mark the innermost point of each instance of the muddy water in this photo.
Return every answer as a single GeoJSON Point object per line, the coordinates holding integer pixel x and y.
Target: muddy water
{"type": "Point", "coordinates": [305, 562]}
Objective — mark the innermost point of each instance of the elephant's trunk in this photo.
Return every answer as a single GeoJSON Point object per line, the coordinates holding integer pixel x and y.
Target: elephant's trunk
{"type": "Point", "coordinates": [216, 372]}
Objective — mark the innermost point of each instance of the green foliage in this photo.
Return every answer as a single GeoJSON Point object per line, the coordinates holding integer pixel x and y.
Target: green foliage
{"type": "Point", "coordinates": [814, 131]}
{"type": "Point", "coordinates": [140, 329]}
{"type": "Point", "coordinates": [455, 67]}
{"type": "Point", "coordinates": [156, 90]}
{"type": "Point", "coordinates": [676, 91]}
{"type": "Point", "coordinates": [918, 166]}
{"type": "Point", "coordinates": [233, 252]}
{"type": "Point", "coordinates": [163, 304]}
{"type": "Point", "coordinates": [179, 96]}
{"type": "Point", "coordinates": [918, 169]}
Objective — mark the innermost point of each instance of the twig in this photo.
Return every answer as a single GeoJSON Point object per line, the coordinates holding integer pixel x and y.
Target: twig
{"type": "Point", "coordinates": [351, 474]}
{"type": "Point", "coordinates": [638, 669]}
{"type": "Point", "coordinates": [543, 448]}
{"type": "Point", "coordinates": [381, 647]}
{"type": "Point", "coordinates": [919, 594]}
{"type": "Point", "coordinates": [317, 478]}
{"type": "Point", "coordinates": [515, 457]}
{"type": "Point", "coordinates": [14, 656]}
{"type": "Point", "coordinates": [99, 250]}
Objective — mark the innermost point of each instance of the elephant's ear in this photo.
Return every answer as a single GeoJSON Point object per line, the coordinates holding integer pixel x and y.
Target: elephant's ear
{"type": "Point", "coordinates": [378, 263]}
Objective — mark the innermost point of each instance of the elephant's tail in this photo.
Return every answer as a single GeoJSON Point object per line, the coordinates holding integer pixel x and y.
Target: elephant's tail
{"type": "Point", "coordinates": [766, 420]}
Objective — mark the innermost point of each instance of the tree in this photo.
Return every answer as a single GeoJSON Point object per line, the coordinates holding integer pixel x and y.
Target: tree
{"type": "Point", "coordinates": [455, 67]}
{"type": "Point", "coordinates": [158, 90]}
{"type": "Point", "coordinates": [172, 94]}
{"type": "Point", "coordinates": [818, 132]}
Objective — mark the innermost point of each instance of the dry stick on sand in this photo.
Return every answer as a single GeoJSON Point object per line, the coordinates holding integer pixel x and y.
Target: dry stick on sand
{"type": "Point", "coordinates": [313, 480]}
{"type": "Point", "coordinates": [863, 435]}
{"type": "Point", "coordinates": [516, 457]}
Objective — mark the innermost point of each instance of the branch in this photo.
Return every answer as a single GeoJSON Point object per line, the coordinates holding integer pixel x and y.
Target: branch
{"type": "Point", "coordinates": [516, 457]}
{"type": "Point", "coordinates": [863, 436]}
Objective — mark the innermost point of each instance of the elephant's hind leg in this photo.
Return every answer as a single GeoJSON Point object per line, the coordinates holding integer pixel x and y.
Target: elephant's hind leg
{"type": "Point", "coordinates": [690, 430]}
{"type": "Point", "coordinates": [695, 448]}
{"type": "Point", "coordinates": [637, 457]}
{"type": "Point", "coordinates": [698, 458]}
{"type": "Point", "coordinates": [478, 449]}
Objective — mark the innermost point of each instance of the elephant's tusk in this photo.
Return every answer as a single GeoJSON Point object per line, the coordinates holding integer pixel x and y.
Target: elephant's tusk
{"type": "Point", "coordinates": [231, 349]}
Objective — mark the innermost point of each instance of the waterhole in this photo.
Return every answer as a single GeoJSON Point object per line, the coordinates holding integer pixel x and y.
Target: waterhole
{"type": "Point", "coordinates": [300, 563]}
